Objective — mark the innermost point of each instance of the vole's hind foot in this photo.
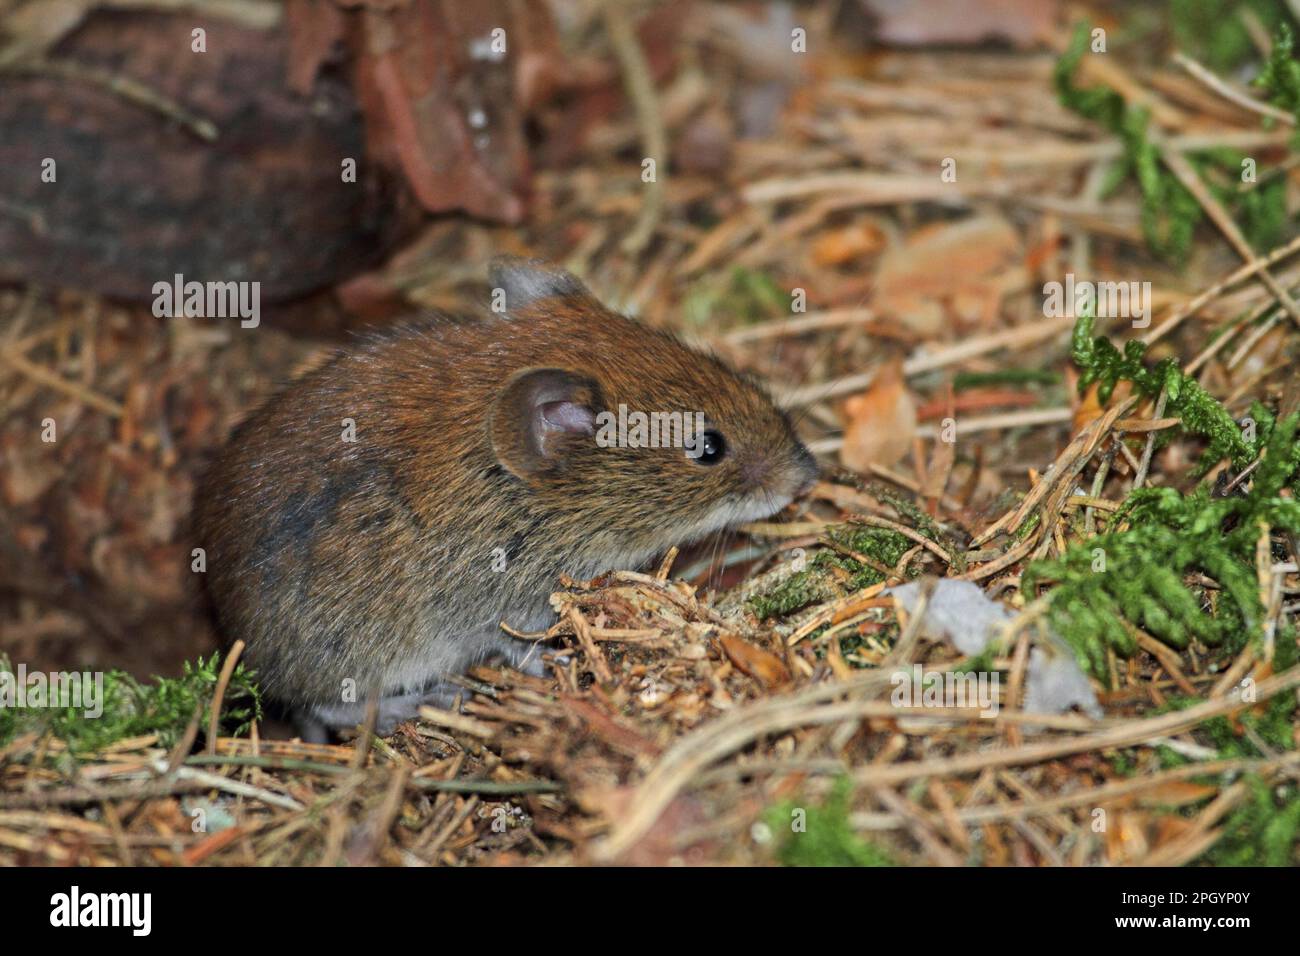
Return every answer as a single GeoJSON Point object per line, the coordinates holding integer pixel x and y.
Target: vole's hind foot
{"type": "Point", "coordinates": [315, 723]}
{"type": "Point", "coordinates": [527, 658]}
{"type": "Point", "coordinates": [310, 728]}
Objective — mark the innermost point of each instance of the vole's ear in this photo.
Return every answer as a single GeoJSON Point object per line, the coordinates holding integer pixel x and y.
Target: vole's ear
{"type": "Point", "coordinates": [538, 415]}
{"type": "Point", "coordinates": [525, 281]}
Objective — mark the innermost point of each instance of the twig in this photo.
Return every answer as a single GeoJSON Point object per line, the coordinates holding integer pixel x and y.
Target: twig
{"type": "Point", "coordinates": [1145, 464]}
{"type": "Point", "coordinates": [1229, 92]}
{"type": "Point", "coordinates": [924, 361]}
{"type": "Point", "coordinates": [123, 86]}
{"type": "Point", "coordinates": [1193, 305]}
{"type": "Point", "coordinates": [219, 695]}
{"type": "Point", "coordinates": [57, 382]}
{"type": "Point", "coordinates": [1181, 168]}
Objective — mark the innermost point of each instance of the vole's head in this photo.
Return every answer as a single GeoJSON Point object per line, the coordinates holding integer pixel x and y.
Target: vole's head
{"type": "Point", "coordinates": [643, 441]}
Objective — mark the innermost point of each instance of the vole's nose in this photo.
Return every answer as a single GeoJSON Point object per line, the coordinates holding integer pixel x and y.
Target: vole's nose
{"type": "Point", "coordinates": [806, 470]}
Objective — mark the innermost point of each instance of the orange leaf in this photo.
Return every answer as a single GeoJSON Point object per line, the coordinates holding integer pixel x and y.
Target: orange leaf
{"type": "Point", "coordinates": [755, 661]}
{"type": "Point", "coordinates": [881, 422]}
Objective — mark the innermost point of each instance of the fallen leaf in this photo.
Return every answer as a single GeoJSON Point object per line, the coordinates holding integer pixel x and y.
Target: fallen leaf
{"type": "Point", "coordinates": [1089, 409]}
{"type": "Point", "coordinates": [840, 246]}
{"type": "Point", "coordinates": [881, 422]}
{"type": "Point", "coordinates": [755, 661]}
{"type": "Point", "coordinates": [964, 265]}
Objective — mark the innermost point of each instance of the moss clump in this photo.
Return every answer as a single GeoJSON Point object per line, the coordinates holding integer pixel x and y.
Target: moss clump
{"type": "Point", "coordinates": [1213, 30]}
{"type": "Point", "coordinates": [1170, 213]}
{"type": "Point", "coordinates": [831, 574]}
{"type": "Point", "coordinates": [822, 836]}
{"type": "Point", "coordinates": [1280, 77]}
{"type": "Point", "coordinates": [1137, 575]}
{"type": "Point", "coordinates": [1099, 361]}
{"type": "Point", "coordinates": [131, 709]}
{"type": "Point", "coordinates": [1263, 831]}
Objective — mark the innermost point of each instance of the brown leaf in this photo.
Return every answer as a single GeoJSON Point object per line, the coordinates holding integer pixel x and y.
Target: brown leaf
{"type": "Point", "coordinates": [976, 254]}
{"type": "Point", "coordinates": [881, 422]}
{"type": "Point", "coordinates": [1089, 409]}
{"type": "Point", "coordinates": [755, 661]}
{"type": "Point", "coordinates": [840, 246]}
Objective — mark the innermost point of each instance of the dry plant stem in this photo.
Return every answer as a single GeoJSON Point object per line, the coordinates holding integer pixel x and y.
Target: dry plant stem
{"type": "Point", "coordinates": [1147, 451]}
{"type": "Point", "coordinates": [911, 635]}
{"type": "Point", "coordinates": [799, 324]}
{"type": "Point", "coordinates": [1180, 167]}
{"type": "Point", "coordinates": [1067, 465]}
{"type": "Point", "coordinates": [1228, 333]}
{"type": "Point", "coordinates": [452, 826]}
{"type": "Point", "coordinates": [921, 828]}
{"type": "Point", "coordinates": [1099, 796]}
{"type": "Point", "coordinates": [654, 138]}
{"type": "Point", "coordinates": [1168, 660]}
{"type": "Point", "coordinates": [254, 14]}
{"type": "Point", "coordinates": [1199, 838]}
{"type": "Point", "coordinates": [1019, 337]}
{"type": "Point", "coordinates": [1254, 339]}
{"type": "Point", "coordinates": [1195, 304]}
{"type": "Point", "coordinates": [905, 531]}
{"type": "Point", "coordinates": [1231, 93]}
{"type": "Point", "coordinates": [219, 695]}
{"type": "Point", "coordinates": [837, 611]}
{"type": "Point", "coordinates": [42, 375]}
{"type": "Point", "coordinates": [971, 426]}
{"type": "Point", "coordinates": [217, 782]}
{"type": "Point", "coordinates": [693, 753]}
{"type": "Point", "coordinates": [128, 89]}
{"type": "Point", "coordinates": [1098, 483]}
{"type": "Point", "coordinates": [186, 742]}
{"type": "Point", "coordinates": [1124, 735]}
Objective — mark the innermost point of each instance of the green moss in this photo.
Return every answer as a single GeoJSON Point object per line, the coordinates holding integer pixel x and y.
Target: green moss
{"type": "Point", "coordinates": [831, 574]}
{"type": "Point", "coordinates": [1099, 361]}
{"type": "Point", "coordinates": [1280, 77]}
{"type": "Point", "coordinates": [1213, 31]}
{"type": "Point", "coordinates": [131, 709]}
{"type": "Point", "coordinates": [822, 836]}
{"type": "Point", "coordinates": [1137, 576]}
{"type": "Point", "coordinates": [1262, 831]}
{"type": "Point", "coordinates": [1170, 213]}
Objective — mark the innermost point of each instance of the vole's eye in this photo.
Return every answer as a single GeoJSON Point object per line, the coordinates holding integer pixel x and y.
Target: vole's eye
{"type": "Point", "coordinates": [709, 449]}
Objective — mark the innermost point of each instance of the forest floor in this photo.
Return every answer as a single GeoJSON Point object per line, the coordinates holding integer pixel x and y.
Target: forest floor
{"type": "Point", "coordinates": [875, 234]}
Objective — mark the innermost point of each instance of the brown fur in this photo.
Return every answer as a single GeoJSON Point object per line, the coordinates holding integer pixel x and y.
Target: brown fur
{"type": "Point", "coordinates": [373, 560]}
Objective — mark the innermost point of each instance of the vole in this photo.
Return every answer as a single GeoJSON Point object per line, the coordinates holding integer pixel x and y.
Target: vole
{"type": "Point", "coordinates": [368, 529]}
